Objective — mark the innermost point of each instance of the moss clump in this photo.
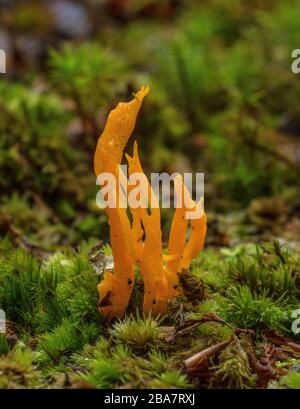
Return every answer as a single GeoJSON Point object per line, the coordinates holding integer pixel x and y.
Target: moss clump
{"type": "Point", "coordinates": [17, 370]}
{"type": "Point", "coordinates": [64, 340]}
{"type": "Point", "coordinates": [170, 380]}
{"type": "Point", "coordinates": [4, 345]}
{"type": "Point", "coordinates": [247, 310]}
{"type": "Point", "coordinates": [106, 370]}
{"type": "Point", "coordinates": [289, 381]}
{"type": "Point", "coordinates": [120, 366]}
{"type": "Point", "coordinates": [141, 333]}
{"type": "Point", "coordinates": [233, 369]}
{"type": "Point", "coordinates": [271, 270]}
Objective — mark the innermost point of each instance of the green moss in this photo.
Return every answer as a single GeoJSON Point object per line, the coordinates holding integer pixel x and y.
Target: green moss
{"type": "Point", "coordinates": [271, 271]}
{"type": "Point", "coordinates": [61, 341]}
{"type": "Point", "coordinates": [17, 370]}
{"type": "Point", "coordinates": [233, 369]}
{"type": "Point", "coordinates": [247, 310]}
{"type": "Point", "coordinates": [170, 380]}
{"type": "Point", "coordinates": [4, 346]}
{"type": "Point", "coordinates": [289, 381]}
{"type": "Point", "coordinates": [139, 332]}
{"type": "Point", "coordinates": [26, 288]}
{"type": "Point", "coordinates": [104, 371]}
{"type": "Point", "coordinates": [57, 314]}
{"type": "Point", "coordinates": [89, 74]}
{"type": "Point", "coordinates": [66, 339]}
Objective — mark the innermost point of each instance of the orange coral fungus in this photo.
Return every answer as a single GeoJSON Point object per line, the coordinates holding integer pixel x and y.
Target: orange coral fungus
{"type": "Point", "coordinates": [140, 241]}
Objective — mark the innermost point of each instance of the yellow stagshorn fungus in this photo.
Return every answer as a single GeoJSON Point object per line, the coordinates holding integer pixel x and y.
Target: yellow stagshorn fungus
{"type": "Point", "coordinates": [140, 241]}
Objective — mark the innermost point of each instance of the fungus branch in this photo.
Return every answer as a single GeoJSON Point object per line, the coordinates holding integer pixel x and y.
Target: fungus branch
{"type": "Point", "coordinates": [140, 242]}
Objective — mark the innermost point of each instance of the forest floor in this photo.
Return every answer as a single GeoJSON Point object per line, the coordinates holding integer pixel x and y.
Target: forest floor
{"type": "Point", "coordinates": [234, 325]}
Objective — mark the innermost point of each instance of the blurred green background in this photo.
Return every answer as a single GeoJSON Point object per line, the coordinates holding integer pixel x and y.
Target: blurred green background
{"type": "Point", "coordinates": [223, 101]}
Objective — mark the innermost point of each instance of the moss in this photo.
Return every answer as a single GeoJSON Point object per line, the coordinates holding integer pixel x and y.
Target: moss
{"type": "Point", "coordinates": [170, 380]}
{"type": "Point", "coordinates": [247, 310]}
{"type": "Point", "coordinates": [271, 271]}
{"type": "Point", "coordinates": [17, 370]}
{"type": "Point", "coordinates": [25, 288]}
{"type": "Point", "coordinates": [233, 369]}
{"type": "Point", "coordinates": [58, 319]}
{"type": "Point", "coordinates": [64, 340]}
{"type": "Point", "coordinates": [289, 381]}
{"type": "Point", "coordinates": [4, 345]}
{"type": "Point", "coordinates": [139, 332]}
{"type": "Point", "coordinates": [105, 371]}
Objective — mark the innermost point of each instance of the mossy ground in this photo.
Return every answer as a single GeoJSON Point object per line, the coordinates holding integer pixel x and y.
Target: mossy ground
{"type": "Point", "coordinates": [57, 339]}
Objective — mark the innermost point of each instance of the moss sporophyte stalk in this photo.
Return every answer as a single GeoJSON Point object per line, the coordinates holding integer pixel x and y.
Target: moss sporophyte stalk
{"type": "Point", "coordinates": [138, 240]}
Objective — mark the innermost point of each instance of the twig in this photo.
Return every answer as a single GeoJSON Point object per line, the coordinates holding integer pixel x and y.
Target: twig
{"type": "Point", "coordinates": [206, 318]}
{"type": "Point", "coordinates": [206, 353]}
{"type": "Point", "coordinates": [279, 340]}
